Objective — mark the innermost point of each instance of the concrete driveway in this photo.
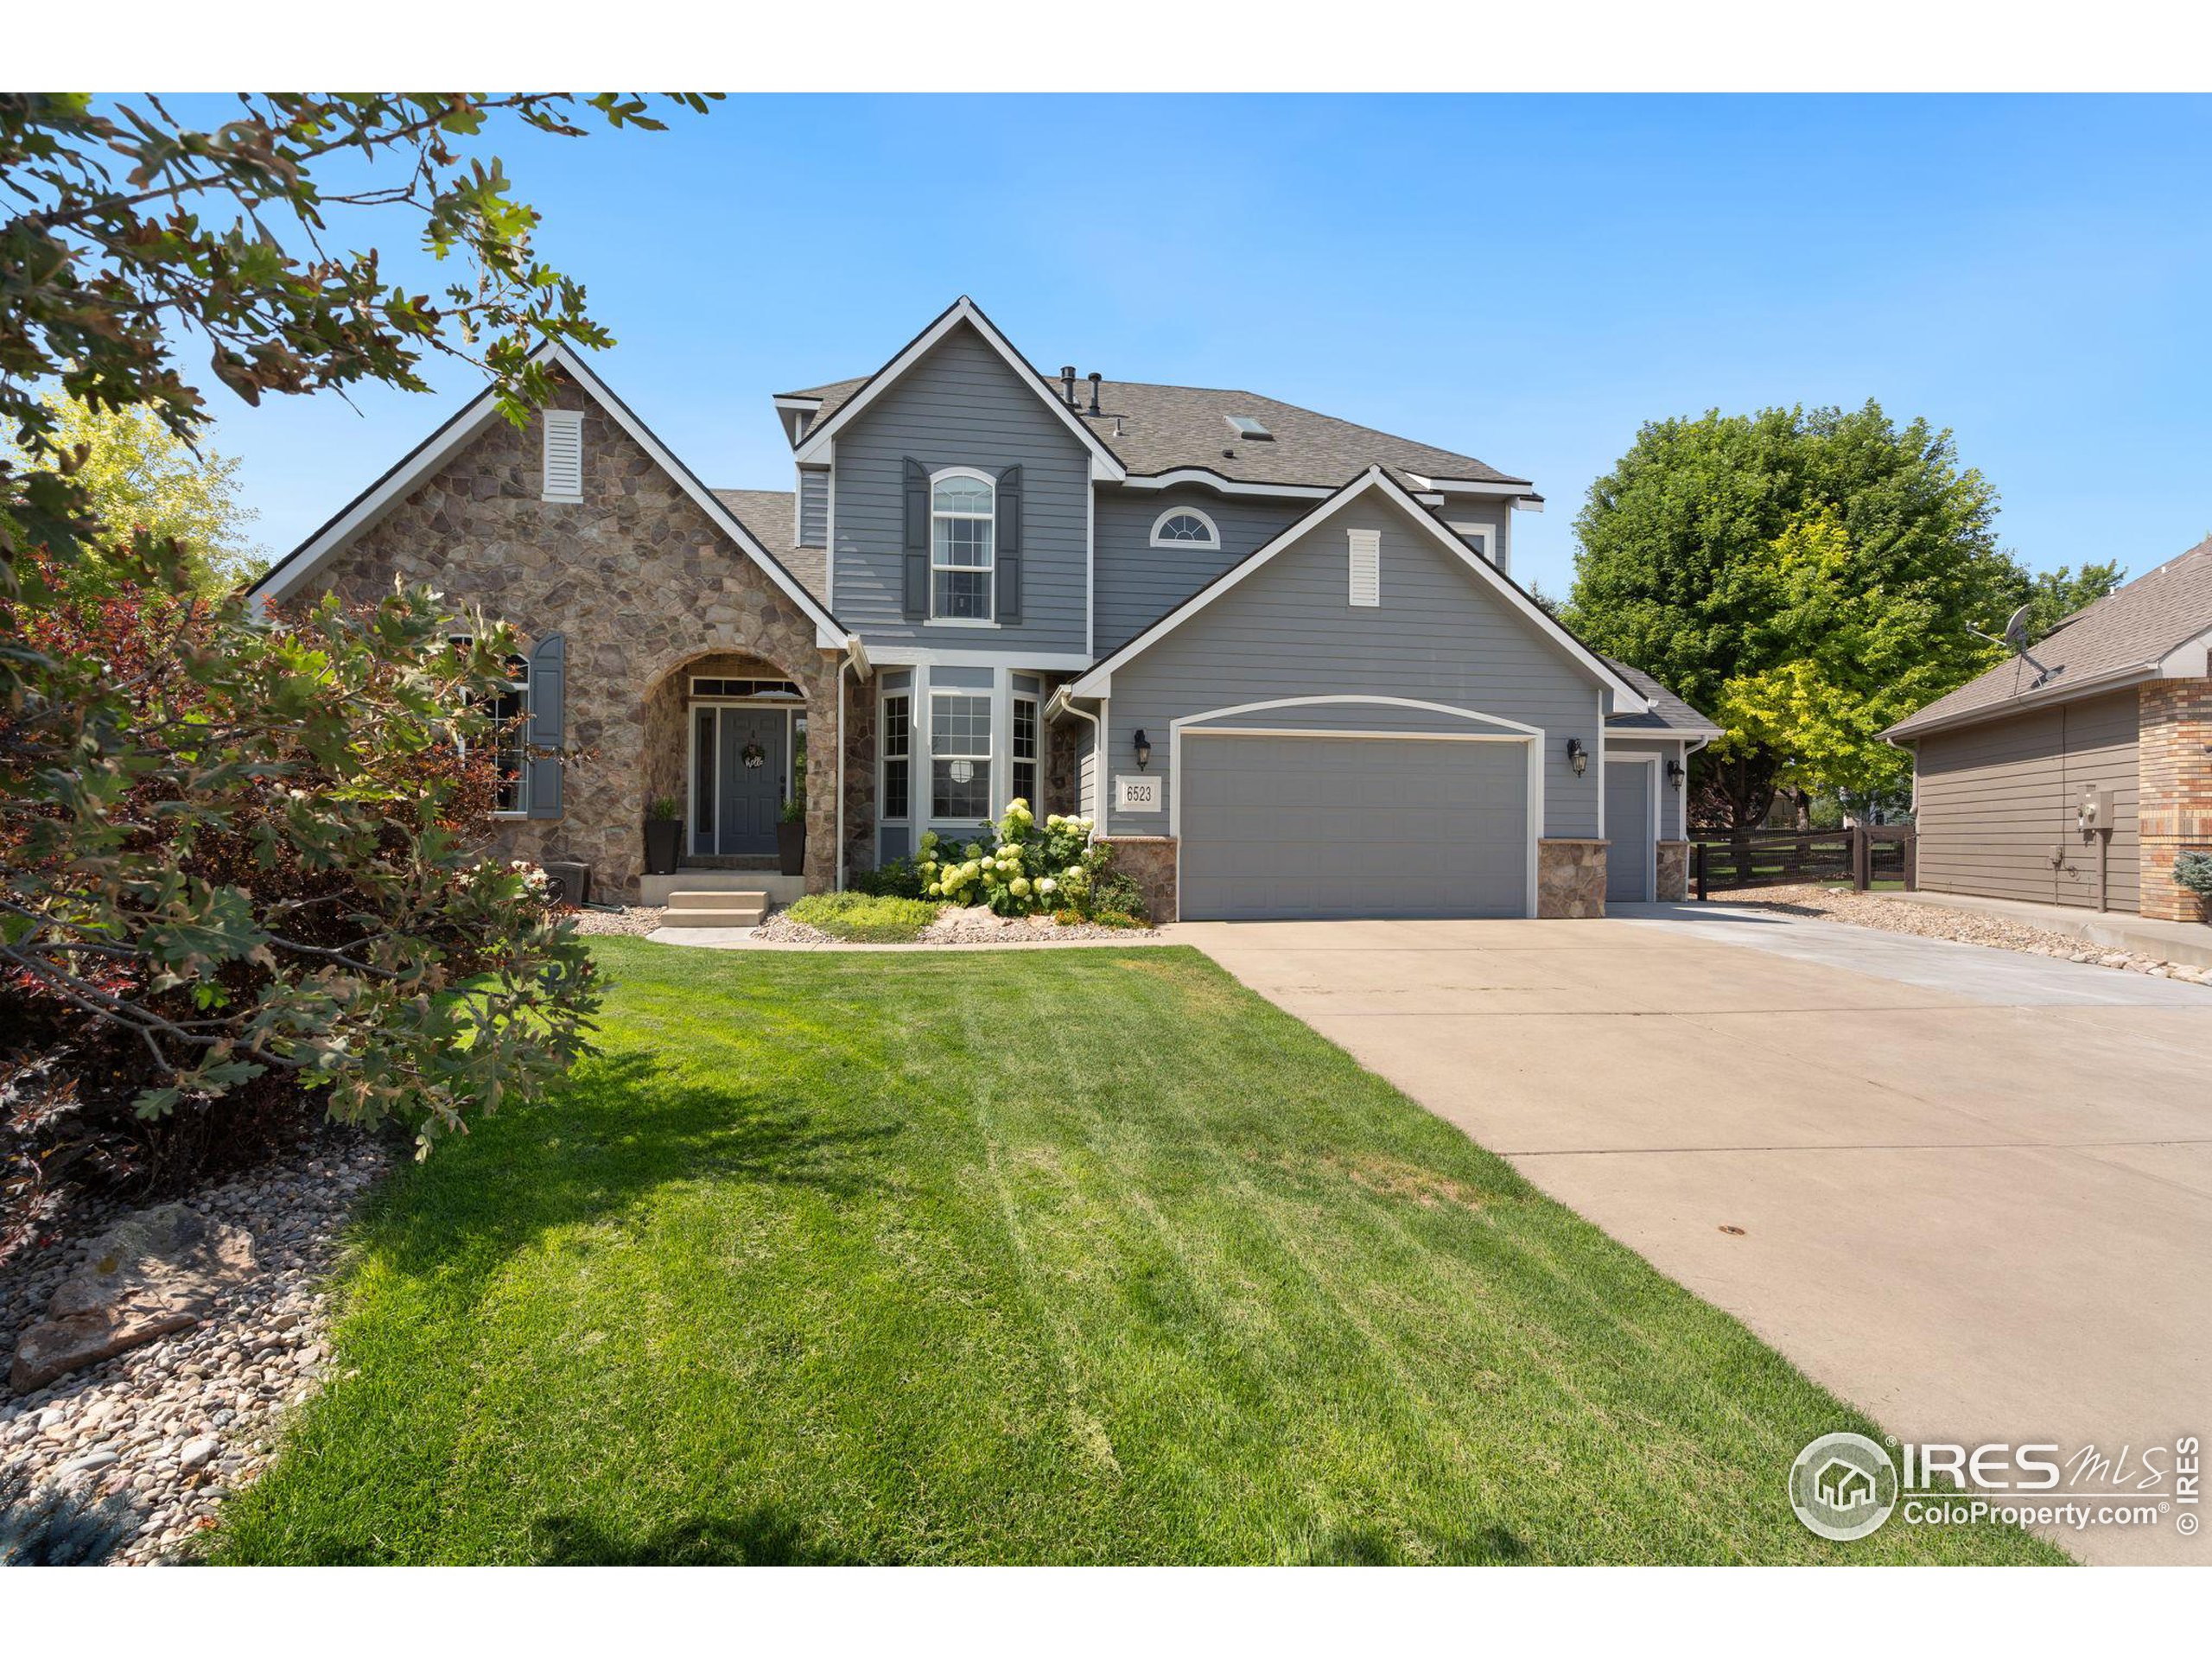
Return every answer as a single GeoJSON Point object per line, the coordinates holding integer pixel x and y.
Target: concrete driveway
{"type": "Point", "coordinates": [1974, 1187]}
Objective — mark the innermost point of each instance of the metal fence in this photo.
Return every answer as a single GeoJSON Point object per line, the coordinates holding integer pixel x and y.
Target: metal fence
{"type": "Point", "coordinates": [1860, 853]}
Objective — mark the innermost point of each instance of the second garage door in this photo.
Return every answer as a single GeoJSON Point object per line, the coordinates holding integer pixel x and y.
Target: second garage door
{"type": "Point", "coordinates": [1322, 826]}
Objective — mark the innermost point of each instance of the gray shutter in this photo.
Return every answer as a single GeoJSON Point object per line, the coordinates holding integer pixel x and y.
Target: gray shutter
{"type": "Point", "coordinates": [548, 725]}
{"type": "Point", "coordinates": [916, 560]}
{"type": "Point", "coordinates": [1007, 556]}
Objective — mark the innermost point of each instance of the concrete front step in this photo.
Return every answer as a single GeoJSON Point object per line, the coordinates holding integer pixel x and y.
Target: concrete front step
{"type": "Point", "coordinates": [717, 899]}
{"type": "Point", "coordinates": [733, 887]}
{"type": "Point", "coordinates": [724, 915]}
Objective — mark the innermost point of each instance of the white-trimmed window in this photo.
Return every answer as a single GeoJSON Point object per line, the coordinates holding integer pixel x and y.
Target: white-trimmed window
{"type": "Point", "coordinates": [898, 796]}
{"type": "Point", "coordinates": [1478, 538]}
{"type": "Point", "coordinates": [960, 755]}
{"type": "Point", "coordinates": [1023, 739]}
{"type": "Point", "coordinates": [509, 712]}
{"type": "Point", "coordinates": [564, 455]}
{"type": "Point", "coordinates": [1366, 567]}
{"type": "Point", "coordinates": [964, 523]}
{"type": "Point", "coordinates": [1184, 527]}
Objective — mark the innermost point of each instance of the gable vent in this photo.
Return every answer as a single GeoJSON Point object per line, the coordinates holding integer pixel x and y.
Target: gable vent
{"type": "Point", "coordinates": [1366, 567]}
{"type": "Point", "coordinates": [564, 455]}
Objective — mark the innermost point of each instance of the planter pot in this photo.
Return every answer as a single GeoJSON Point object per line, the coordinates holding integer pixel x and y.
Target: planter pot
{"type": "Point", "coordinates": [791, 848]}
{"type": "Point", "coordinates": [664, 842]}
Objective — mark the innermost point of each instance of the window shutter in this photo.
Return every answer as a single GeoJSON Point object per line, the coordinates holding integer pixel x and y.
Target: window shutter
{"type": "Point", "coordinates": [1006, 556]}
{"type": "Point", "coordinates": [564, 455]}
{"type": "Point", "coordinates": [916, 560]}
{"type": "Point", "coordinates": [1366, 567]}
{"type": "Point", "coordinates": [548, 727]}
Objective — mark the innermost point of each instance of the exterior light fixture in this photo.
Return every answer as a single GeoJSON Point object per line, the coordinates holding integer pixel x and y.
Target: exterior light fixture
{"type": "Point", "coordinates": [1674, 773]}
{"type": "Point", "coordinates": [1577, 756]}
{"type": "Point", "coordinates": [1144, 750]}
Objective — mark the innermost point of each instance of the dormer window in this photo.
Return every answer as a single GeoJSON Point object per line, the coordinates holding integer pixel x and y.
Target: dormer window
{"type": "Point", "coordinates": [964, 519]}
{"type": "Point", "coordinates": [1184, 527]}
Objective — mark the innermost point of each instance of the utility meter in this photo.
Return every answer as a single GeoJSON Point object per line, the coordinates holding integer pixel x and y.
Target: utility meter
{"type": "Point", "coordinates": [2094, 811]}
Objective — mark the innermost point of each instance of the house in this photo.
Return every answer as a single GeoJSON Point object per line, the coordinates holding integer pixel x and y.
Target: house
{"type": "Point", "coordinates": [2075, 773]}
{"type": "Point", "coordinates": [1279, 657]}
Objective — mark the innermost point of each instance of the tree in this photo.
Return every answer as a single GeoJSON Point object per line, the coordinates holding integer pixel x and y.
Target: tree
{"type": "Point", "coordinates": [1700, 562]}
{"type": "Point", "coordinates": [140, 476]}
{"type": "Point", "coordinates": [2054, 595]}
{"type": "Point", "coordinates": [235, 853]}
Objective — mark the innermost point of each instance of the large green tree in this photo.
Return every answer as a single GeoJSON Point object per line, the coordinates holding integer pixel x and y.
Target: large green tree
{"type": "Point", "coordinates": [1805, 576]}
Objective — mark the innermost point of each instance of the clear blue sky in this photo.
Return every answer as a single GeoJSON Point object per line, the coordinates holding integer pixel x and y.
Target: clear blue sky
{"type": "Point", "coordinates": [1525, 280]}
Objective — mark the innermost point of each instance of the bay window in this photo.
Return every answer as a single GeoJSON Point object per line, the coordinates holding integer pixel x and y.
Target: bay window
{"type": "Point", "coordinates": [960, 756]}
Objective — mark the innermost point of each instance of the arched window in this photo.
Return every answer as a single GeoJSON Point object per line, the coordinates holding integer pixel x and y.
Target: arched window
{"type": "Point", "coordinates": [963, 519]}
{"type": "Point", "coordinates": [1184, 527]}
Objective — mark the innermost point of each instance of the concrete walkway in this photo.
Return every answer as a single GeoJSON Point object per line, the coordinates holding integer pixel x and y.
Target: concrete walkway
{"type": "Point", "coordinates": [1974, 1187]}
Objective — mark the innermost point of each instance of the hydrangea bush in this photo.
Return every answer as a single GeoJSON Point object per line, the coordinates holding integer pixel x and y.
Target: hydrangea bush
{"type": "Point", "coordinates": [1018, 866]}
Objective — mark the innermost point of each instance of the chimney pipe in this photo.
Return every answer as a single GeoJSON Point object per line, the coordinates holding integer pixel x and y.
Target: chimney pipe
{"type": "Point", "coordinates": [1067, 384]}
{"type": "Point", "coordinates": [1095, 378]}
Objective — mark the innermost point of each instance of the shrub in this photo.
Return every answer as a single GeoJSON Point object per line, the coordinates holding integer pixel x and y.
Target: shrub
{"type": "Point", "coordinates": [899, 878]}
{"type": "Point", "coordinates": [863, 917]}
{"type": "Point", "coordinates": [2193, 870]}
{"type": "Point", "coordinates": [245, 868]}
{"type": "Point", "coordinates": [1018, 868]}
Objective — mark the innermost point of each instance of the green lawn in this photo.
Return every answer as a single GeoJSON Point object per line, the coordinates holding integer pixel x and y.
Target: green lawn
{"type": "Point", "coordinates": [1084, 1256]}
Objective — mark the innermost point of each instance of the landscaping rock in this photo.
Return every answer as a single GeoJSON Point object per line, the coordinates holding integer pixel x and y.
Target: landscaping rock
{"type": "Point", "coordinates": [153, 1272]}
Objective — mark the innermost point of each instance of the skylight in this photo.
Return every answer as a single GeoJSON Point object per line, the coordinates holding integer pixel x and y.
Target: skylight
{"type": "Point", "coordinates": [1250, 430]}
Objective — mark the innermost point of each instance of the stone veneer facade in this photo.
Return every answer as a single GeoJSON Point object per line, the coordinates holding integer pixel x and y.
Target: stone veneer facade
{"type": "Point", "coordinates": [2174, 761]}
{"type": "Point", "coordinates": [1148, 861]}
{"type": "Point", "coordinates": [1673, 871]}
{"type": "Point", "coordinates": [644, 588]}
{"type": "Point", "coordinates": [1570, 878]}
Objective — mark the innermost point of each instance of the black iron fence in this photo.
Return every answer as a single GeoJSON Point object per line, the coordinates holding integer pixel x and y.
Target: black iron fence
{"type": "Point", "coordinates": [1862, 854]}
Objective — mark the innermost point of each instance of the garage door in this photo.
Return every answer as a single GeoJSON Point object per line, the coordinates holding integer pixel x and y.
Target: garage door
{"type": "Point", "coordinates": [1318, 827]}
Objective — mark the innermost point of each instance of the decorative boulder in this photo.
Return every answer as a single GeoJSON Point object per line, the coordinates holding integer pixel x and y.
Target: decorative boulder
{"type": "Point", "coordinates": [152, 1273]}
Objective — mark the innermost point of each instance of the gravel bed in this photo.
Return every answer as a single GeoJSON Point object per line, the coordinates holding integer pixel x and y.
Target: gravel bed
{"type": "Point", "coordinates": [637, 920]}
{"type": "Point", "coordinates": [972, 926]}
{"type": "Point", "coordinates": [1966, 926]}
{"type": "Point", "coordinates": [170, 1427]}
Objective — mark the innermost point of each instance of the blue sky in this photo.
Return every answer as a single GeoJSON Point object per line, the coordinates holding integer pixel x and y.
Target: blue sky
{"type": "Point", "coordinates": [1525, 280]}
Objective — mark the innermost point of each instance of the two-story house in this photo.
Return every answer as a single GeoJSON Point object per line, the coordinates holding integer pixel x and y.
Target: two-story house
{"type": "Point", "coordinates": [1279, 657]}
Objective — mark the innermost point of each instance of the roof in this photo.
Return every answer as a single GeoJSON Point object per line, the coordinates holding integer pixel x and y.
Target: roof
{"type": "Point", "coordinates": [1156, 428]}
{"type": "Point", "coordinates": [1668, 714]}
{"type": "Point", "coordinates": [1097, 680]}
{"type": "Point", "coordinates": [772, 515]}
{"type": "Point", "coordinates": [2127, 636]}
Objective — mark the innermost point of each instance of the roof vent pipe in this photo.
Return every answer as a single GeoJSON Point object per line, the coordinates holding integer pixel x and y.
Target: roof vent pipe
{"type": "Point", "coordinates": [1067, 384]}
{"type": "Point", "coordinates": [1095, 378]}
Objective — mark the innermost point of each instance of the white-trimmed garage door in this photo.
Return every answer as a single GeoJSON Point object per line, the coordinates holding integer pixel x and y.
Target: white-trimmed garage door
{"type": "Point", "coordinates": [1310, 826]}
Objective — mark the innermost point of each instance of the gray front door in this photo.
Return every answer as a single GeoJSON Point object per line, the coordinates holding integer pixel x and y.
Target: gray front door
{"type": "Point", "coordinates": [1628, 826]}
{"type": "Point", "coordinates": [751, 796]}
{"type": "Point", "coordinates": [1352, 827]}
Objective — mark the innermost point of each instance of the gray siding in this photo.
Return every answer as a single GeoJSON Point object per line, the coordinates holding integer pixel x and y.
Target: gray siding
{"type": "Point", "coordinates": [1995, 800]}
{"type": "Point", "coordinates": [1138, 583]}
{"type": "Point", "coordinates": [1438, 635]}
{"type": "Point", "coordinates": [962, 406]}
{"type": "Point", "coordinates": [1491, 514]}
{"type": "Point", "coordinates": [814, 507]}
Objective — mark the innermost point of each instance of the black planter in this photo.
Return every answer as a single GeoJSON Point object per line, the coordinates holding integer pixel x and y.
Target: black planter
{"type": "Point", "coordinates": [790, 848]}
{"type": "Point", "coordinates": [664, 842]}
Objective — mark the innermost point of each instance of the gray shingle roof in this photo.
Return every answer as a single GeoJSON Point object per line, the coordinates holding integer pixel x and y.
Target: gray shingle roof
{"type": "Point", "coordinates": [1668, 712]}
{"type": "Point", "coordinates": [772, 515]}
{"type": "Point", "coordinates": [1156, 428]}
{"type": "Point", "coordinates": [2122, 635]}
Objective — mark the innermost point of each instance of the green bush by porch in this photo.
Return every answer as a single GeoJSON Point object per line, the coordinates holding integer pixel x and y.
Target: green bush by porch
{"type": "Point", "coordinates": [1073, 1257]}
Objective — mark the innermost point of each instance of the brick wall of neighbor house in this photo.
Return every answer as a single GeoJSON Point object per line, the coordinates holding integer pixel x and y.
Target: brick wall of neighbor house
{"type": "Point", "coordinates": [1673, 871]}
{"type": "Point", "coordinates": [1148, 861]}
{"type": "Point", "coordinates": [2175, 815]}
{"type": "Point", "coordinates": [1570, 878]}
{"type": "Point", "coordinates": [639, 581]}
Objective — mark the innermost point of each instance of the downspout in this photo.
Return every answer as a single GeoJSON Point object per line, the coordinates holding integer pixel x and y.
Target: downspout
{"type": "Point", "coordinates": [1060, 704]}
{"type": "Point", "coordinates": [856, 658]}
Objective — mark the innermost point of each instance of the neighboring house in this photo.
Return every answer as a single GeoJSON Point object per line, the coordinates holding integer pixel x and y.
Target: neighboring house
{"type": "Point", "coordinates": [1278, 656]}
{"type": "Point", "coordinates": [2114, 709]}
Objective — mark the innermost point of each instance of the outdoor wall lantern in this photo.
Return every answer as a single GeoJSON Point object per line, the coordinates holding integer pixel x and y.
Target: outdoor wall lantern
{"type": "Point", "coordinates": [1577, 756]}
{"type": "Point", "coordinates": [1144, 750]}
{"type": "Point", "coordinates": [1674, 773]}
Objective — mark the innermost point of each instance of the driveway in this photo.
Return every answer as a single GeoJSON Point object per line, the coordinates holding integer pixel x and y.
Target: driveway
{"type": "Point", "coordinates": [1974, 1187]}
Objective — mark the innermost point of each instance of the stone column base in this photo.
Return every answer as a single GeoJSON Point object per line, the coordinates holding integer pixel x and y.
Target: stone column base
{"type": "Point", "coordinates": [1570, 878]}
{"type": "Point", "coordinates": [1674, 883]}
{"type": "Point", "coordinates": [1148, 861]}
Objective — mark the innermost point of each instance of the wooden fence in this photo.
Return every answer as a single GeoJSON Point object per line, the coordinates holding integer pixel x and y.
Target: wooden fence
{"type": "Point", "coordinates": [1861, 854]}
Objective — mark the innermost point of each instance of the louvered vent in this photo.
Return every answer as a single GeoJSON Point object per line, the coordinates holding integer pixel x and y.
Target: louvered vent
{"type": "Point", "coordinates": [1366, 567]}
{"type": "Point", "coordinates": [564, 455]}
